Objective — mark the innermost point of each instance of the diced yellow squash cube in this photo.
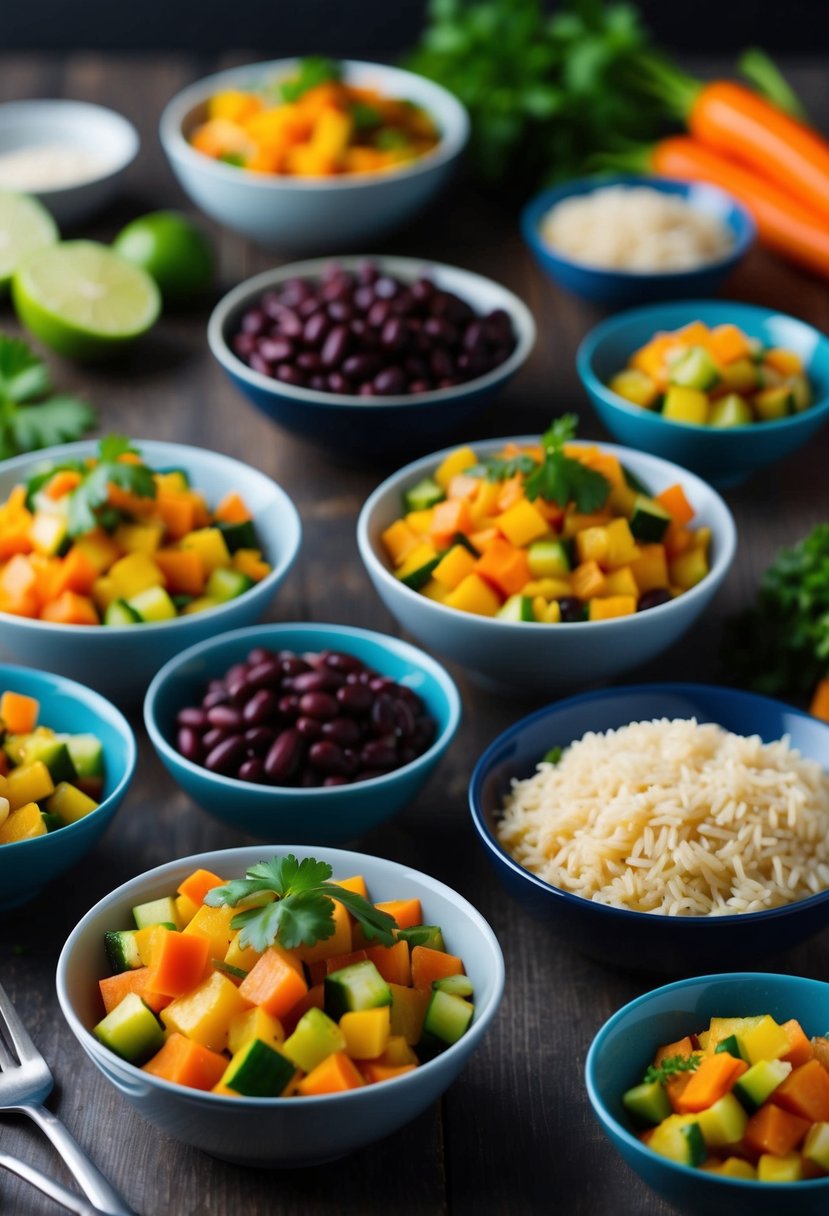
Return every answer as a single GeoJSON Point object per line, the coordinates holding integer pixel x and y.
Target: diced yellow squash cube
{"type": "Point", "coordinates": [612, 606]}
{"type": "Point", "coordinates": [69, 803]}
{"type": "Point", "coordinates": [419, 521]}
{"type": "Point", "coordinates": [485, 503]}
{"type": "Point", "coordinates": [732, 1167]}
{"type": "Point", "coordinates": [148, 940]}
{"type": "Point", "coordinates": [635, 386]}
{"type": "Point", "coordinates": [765, 1041]}
{"type": "Point", "coordinates": [47, 532]}
{"type": "Point", "coordinates": [366, 1033]}
{"type": "Point", "coordinates": [701, 538]}
{"type": "Point", "coordinates": [252, 1024]}
{"type": "Point", "coordinates": [214, 924]}
{"type": "Point", "coordinates": [104, 592]}
{"type": "Point", "coordinates": [622, 499]}
{"type": "Point", "coordinates": [574, 522]}
{"type": "Point", "coordinates": [199, 605]}
{"type": "Point", "coordinates": [458, 461]}
{"type": "Point", "coordinates": [546, 612]}
{"type": "Point", "coordinates": [173, 482]}
{"type": "Point", "coordinates": [550, 588]}
{"type": "Point", "coordinates": [622, 548]}
{"type": "Point", "coordinates": [474, 595]}
{"type": "Point", "coordinates": [522, 523]}
{"type": "Point", "coordinates": [210, 545]}
{"type": "Point", "coordinates": [419, 556]}
{"type": "Point", "coordinates": [771, 1168]}
{"type": "Point", "coordinates": [689, 568]}
{"type": "Point", "coordinates": [241, 956]}
{"type": "Point", "coordinates": [28, 783]}
{"type": "Point", "coordinates": [5, 809]}
{"type": "Point", "coordinates": [399, 541]}
{"type": "Point", "coordinates": [740, 376]}
{"type": "Point", "coordinates": [587, 580]}
{"type": "Point", "coordinates": [135, 573]}
{"type": "Point", "coordinates": [139, 538]}
{"type": "Point", "coordinates": [100, 548]}
{"type": "Point", "coordinates": [650, 568]}
{"type": "Point", "coordinates": [454, 566]}
{"type": "Point", "coordinates": [621, 582]}
{"type": "Point", "coordinates": [23, 824]}
{"type": "Point", "coordinates": [186, 909]}
{"type": "Point", "coordinates": [433, 590]}
{"type": "Point", "coordinates": [340, 941]}
{"type": "Point", "coordinates": [204, 1014]}
{"type": "Point", "coordinates": [398, 1052]}
{"type": "Point", "coordinates": [592, 544]}
{"type": "Point", "coordinates": [686, 405]}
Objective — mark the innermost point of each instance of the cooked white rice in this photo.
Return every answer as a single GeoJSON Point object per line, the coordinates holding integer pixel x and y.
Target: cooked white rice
{"type": "Point", "coordinates": [676, 818]}
{"type": "Point", "coordinates": [635, 228]}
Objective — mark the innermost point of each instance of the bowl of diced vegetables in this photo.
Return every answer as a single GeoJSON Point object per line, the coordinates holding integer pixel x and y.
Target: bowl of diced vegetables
{"type": "Point", "coordinates": [67, 757]}
{"type": "Point", "coordinates": [721, 387]}
{"type": "Point", "coordinates": [715, 1090]}
{"type": "Point", "coordinates": [313, 155]}
{"type": "Point", "coordinates": [115, 555]}
{"type": "Point", "coordinates": [544, 564]}
{"type": "Point", "coordinates": [312, 1026]}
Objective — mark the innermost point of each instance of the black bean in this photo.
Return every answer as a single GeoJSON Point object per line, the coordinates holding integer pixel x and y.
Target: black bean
{"type": "Point", "coordinates": [571, 608]}
{"type": "Point", "coordinates": [653, 598]}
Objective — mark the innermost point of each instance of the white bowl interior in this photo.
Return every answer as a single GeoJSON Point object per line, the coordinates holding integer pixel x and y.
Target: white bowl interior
{"type": "Point", "coordinates": [72, 124]}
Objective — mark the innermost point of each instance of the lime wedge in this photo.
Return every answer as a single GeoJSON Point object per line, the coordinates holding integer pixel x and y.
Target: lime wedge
{"type": "Point", "coordinates": [83, 300]}
{"type": "Point", "coordinates": [25, 227]}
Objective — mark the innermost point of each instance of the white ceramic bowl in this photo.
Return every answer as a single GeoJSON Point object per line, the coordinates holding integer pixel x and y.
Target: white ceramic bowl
{"type": "Point", "coordinates": [281, 1131]}
{"type": "Point", "coordinates": [519, 658]}
{"type": "Point", "coordinates": [313, 215]}
{"type": "Point", "coordinates": [120, 661]}
{"type": "Point", "coordinates": [77, 125]}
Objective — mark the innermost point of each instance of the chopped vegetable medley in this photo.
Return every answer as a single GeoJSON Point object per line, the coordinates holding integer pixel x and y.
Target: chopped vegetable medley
{"type": "Point", "coordinates": [746, 1098]}
{"type": "Point", "coordinates": [110, 541]}
{"type": "Point", "coordinates": [280, 984]}
{"type": "Point", "coordinates": [554, 533]}
{"type": "Point", "coordinates": [47, 779]}
{"type": "Point", "coordinates": [313, 125]}
{"type": "Point", "coordinates": [714, 377]}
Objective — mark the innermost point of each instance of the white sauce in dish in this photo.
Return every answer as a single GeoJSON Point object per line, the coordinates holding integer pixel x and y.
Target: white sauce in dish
{"type": "Point", "coordinates": [49, 167]}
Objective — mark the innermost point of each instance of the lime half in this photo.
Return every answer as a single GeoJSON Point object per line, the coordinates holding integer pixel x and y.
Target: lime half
{"type": "Point", "coordinates": [25, 227]}
{"type": "Point", "coordinates": [83, 300]}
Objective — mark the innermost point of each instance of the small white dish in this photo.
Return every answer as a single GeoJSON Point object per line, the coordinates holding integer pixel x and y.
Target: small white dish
{"type": "Point", "coordinates": [77, 127]}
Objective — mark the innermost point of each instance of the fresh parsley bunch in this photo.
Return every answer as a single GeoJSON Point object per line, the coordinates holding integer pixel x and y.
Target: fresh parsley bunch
{"type": "Point", "coordinates": [32, 416]}
{"type": "Point", "coordinates": [301, 910]}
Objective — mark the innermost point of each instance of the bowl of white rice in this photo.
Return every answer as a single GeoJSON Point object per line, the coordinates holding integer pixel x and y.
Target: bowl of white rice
{"type": "Point", "coordinates": [665, 827]}
{"type": "Point", "coordinates": [632, 239]}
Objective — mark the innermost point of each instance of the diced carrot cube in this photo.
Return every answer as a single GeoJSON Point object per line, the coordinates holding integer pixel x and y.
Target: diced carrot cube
{"type": "Point", "coordinates": [676, 504]}
{"type": "Point", "coordinates": [405, 912]}
{"type": "Point", "coordinates": [392, 962]}
{"type": "Point", "coordinates": [179, 962]}
{"type": "Point", "coordinates": [19, 712]}
{"type": "Point", "coordinates": [185, 1062]}
{"type": "Point", "coordinates": [70, 609]}
{"type": "Point", "coordinates": [504, 566]}
{"type": "Point", "coordinates": [774, 1130]}
{"type": "Point", "coordinates": [274, 983]}
{"type": "Point", "coordinates": [805, 1092]}
{"type": "Point", "coordinates": [196, 885]}
{"type": "Point", "coordinates": [335, 1074]}
{"type": "Point", "coordinates": [429, 965]}
{"type": "Point", "coordinates": [232, 509]}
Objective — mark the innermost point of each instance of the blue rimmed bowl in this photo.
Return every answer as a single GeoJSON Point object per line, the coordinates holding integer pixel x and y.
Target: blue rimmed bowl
{"type": "Point", "coordinates": [28, 866]}
{"type": "Point", "coordinates": [620, 288]}
{"type": "Point", "coordinates": [724, 456]}
{"type": "Point", "coordinates": [281, 1131]}
{"type": "Point", "coordinates": [624, 1047]}
{"type": "Point", "coordinates": [322, 815]}
{"type": "Point", "coordinates": [642, 940]}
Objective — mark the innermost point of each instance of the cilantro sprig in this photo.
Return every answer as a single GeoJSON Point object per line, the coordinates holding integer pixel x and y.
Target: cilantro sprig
{"type": "Point", "coordinates": [32, 415]}
{"type": "Point", "coordinates": [89, 502]}
{"type": "Point", "coordinates": [557, 477]}
{"type": "Point", "coordinates": [301, 912]}
{"type": "Point", "coordinates": [670, 1067]}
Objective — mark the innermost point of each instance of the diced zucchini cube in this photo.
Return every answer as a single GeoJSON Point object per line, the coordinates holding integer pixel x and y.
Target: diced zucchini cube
{"type": "Point", "coordinates": [680, 1139]}
{"type": "Point", "coordinates": [760, 1082]}
{"type": "Point", "coordinates": [423, 495]}
{"type": "Point", "coordinates": [723, 1123]}
{"type": "Point", "coordinates": [226, 583]}
{"type": "Point", "coordinates": [696, 368]}
{"type": "Point", "coordinates": [131, 1030]}
{"type": "Point", "coordinates": [648, 1103]}
{"type": "Point", "coordinates": [731, 410]}
{"type": "Point", "coordinates": [259, 1071]}
{"type": "Point", "coordinates": [816, 1145]}
{"type": "Point", "coordinates": [122, 951]}
{"type": "Point", "coordinates": [358, 986]}
{"type": "Point", "coordinates": [315, 1038]}
{"type": "Point", "coordinates": [155, 912]}
{"type": "Point", "coordinates": [447, 1019]}
{"type": "Point", "coordinates": [456, 985]}
{"type": "Point", "coordinates": [422, 935]}
{"type": "Point", "coordinates": [152, 605]}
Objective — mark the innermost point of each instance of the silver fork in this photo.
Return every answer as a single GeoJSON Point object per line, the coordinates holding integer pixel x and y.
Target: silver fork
{"type": "Point", "coordinates": [24, 1083]}
{"type": "Point", "coordinates": [60, 1194]}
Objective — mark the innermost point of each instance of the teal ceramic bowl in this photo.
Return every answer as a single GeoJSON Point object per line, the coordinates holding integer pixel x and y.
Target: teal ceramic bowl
{"type": "Point", "coordinates": [323, 815]}
{"type": "Point", "coordinates": [722, 456]}
{"type": "Point", "coordinates": [282, 1131]}
{"type": "Point", "coordinates": [624, 1047]}
{"type": "Point", "coordinates": [28, 866]}
{"type": "Point", "coordinates": [119, 661]}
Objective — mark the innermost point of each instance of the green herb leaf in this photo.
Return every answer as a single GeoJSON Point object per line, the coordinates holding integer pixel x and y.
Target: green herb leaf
{"type": "Point", "coordinates": [88, 503]}
{"type": "Point", "coordinates": [27, 422]}
{"type": "Point", "coordinates": [58, 420]}
{"type": "Point", "coordinates": [313, 70]}
{"type": "Point", "coordinates": [498, 469]}
{"type": "Point", "coordinates": [671, 1066]}
{"type": "Point", "coordinates": [302, 912]}
{"type": "Point", "coordinates": [561, 479]}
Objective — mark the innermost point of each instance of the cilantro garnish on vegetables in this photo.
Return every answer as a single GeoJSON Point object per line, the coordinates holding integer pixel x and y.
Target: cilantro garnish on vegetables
{"type": "Point", "coordinates": [670, 1067]}
{"type": "Point", "coordinates": [89, 503]}
{"type": "Point", "coordinates": [302, 910]}
{"type": "Point", "coordinates": [313, 70]}
{"type": "Point", "coordinates": [31, 415]}
{"type": "Point", "coordinates": [557, 477]}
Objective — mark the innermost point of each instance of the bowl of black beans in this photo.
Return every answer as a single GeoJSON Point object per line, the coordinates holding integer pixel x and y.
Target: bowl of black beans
{"type": "Point", "coordinates": [365, 357]}
{"type": "Point", "coordinates": [309, 733]}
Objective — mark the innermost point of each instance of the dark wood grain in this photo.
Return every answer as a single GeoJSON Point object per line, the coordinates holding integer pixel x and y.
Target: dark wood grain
{"type": "Point", "coordinates": [516, 1134]}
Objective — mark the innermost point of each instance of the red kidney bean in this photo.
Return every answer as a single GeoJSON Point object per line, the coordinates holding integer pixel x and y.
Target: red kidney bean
{"type": "Point", "coordinates": [276, 350]}
{"type": "Point", "coordinates": [376, 754]}
{"type": "Point", "coordinates": [317, 681]}
{"type": "Point", "coordinates": [366, 390]}
{"type": "Point", "coordinates": [378, 314]}
{"type": "Point", "coordinates": [258, 739]}
{"type": "Point", "coordinates": [288, 374]}
{"type": "Point", "coordinates": [213, 736]}
{"type": "Point", "coordinates": [254, 322]}
{"type": "Point", "coordinates": [389, 382]}
{"type": "Point", "coordinates": [653, 598]}
{"type": "Point", "coordinates": [404, 720]}
{"type": "Point", "coordinates": [343, 731]}
{"type": "Point", "coordinates": [327, 757]}
{"type": "Point", "coordinates": [337, 661]}
{"type": "Point", "coordinates": [386, 288]}
{"type": "Point", "coordinates": [335, 346]}
{"type": "Point", "coordinates": [217, 696]}
{"type": "Point", "coordinates": [335, 779]}
{"type": "Point", "coordinates": [188, 742]}
{"type": "Point", "coordinates": [441, 364]}
{"type": "Point", "coordinates": [393, 334]}
{"type": "Point", "coordinates": [358, 367]}
{"type": "Point", "coordinates": [289, 706]}
{"type": "Point", "coordinates": [290, 325]}
{"type": "Point", "coordinates": [239, 690]}
{"type": "Point", "coordinates": [309, 361]}
{"type": "Point", "coordinates": [260, 365]}
{"type": "Point", "coordinates": [382, 714]}
{"type": "Point", "coordinates": [318, 383]}
{"type": "Point", "coordinates": [363, 298]}
{"type": "Point", "coordinates": [225, 755]}
{"type": "Point", "coordinates": [252, 770]}
{"type": "Point", "coordinates": [258, 655]}
{"type": "Point", "coordinates": [340, 311]}
{"type": "Point", "coordinates": [225, 717]}
{"type": "Point", "coordinates": [244, 345]}
{"type": "Point", "coordinates": [193, 717]}
{"type": "Point", "coordinates": [420, 386]}
{"type": "Point", "coordinates": [316, 329]}
{"type": "Point", "coordinates": [337, 383]}
{"type": "Point", "coordinates": [308, 308]}
{"type": "Point", "coordinates": [319, 705]}
{"type": "Point", "coordinates": [367, 774]}
{"type": "Point", "coordinates": [284, 757]}
{"type": "Point", "coordinates": [309, 728]}
{"type": "Point", "coordinates": [355, 698]}
{"type": "Point", "coordinates": [264, 674]}
{"type": "Point", "coordinates": [261, 707]}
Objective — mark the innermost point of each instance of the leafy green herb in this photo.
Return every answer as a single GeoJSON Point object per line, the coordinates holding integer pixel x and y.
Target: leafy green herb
{"type": "Point", "coordinates": [671, 1066]}
{"type": "Point", "coordinates": [780, 646]}
{"type": "Point", "coordinates": [552, 756]}
{"type": "Point", "coordinates": [365, 116]}
{"type": "Point", "coordinates": [561, 479]}
{"type": "Point", "coordinates": [499, 469]}
{"type": "Point", "coordinates": [302, 911]}
{"type": "Point", "coordinates": [313, 70]}
{"type": "Point", "coordinates": [88, 503]}
{"type": "Point", "coordinates": [232, 158]}
{"type": "Point", "coordinates": [31, 415]}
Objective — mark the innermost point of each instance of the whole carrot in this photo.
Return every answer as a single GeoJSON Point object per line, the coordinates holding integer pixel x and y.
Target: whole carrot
{"type": "Point", "coordinates": [784, 223]}
{"type": "Point", "coordinates": [736, 121]}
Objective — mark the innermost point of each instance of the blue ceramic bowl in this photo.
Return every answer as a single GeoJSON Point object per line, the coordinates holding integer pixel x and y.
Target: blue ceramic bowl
{"type": "Point", "coordinates": [624, 1047]}
{"type": "Point", "coordinates": [327, 815]}
{"type": "Point", "coordinates": [621, 288]}
{"type": "Point", "coordinates": [723, 456]}
{"type": "Point", "coordinates": [359, 426]}
{"type": "Point", "coordinates": [282, 1131]}
{"type": "Point", "coordinates": [308, 215]}
{"type": "Point", "coordinates": [120, 660]}
{"type": "Point", "coordinates": [642, 940]}
{"type": "Point", "coordinates": [28, 866]}
{"type": "Point", "coordinates": [518, 658]}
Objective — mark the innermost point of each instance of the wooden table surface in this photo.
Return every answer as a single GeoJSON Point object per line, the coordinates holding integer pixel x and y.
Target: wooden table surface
{"type": "Point", "coordinates": [515, 1134]}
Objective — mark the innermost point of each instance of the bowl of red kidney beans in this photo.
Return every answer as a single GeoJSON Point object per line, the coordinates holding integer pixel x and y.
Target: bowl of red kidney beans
{"type": "Point", "coordinates": [368, 356]}
{"type": "Point", "coordinates": [309, 733]}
